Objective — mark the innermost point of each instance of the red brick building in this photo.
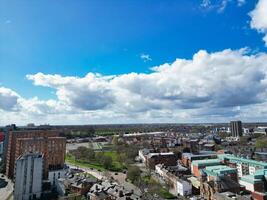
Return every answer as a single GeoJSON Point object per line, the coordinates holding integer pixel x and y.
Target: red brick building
{"type": "Point", "coordinates": [168, 159]}
{"type": "Point", "coordinates": [46, 142]}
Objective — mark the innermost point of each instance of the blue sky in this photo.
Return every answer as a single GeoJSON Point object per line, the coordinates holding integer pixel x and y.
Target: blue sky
{"type": "Point", "coordinates": [73, 38]}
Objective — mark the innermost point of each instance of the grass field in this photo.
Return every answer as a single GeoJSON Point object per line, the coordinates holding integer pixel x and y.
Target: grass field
{"type": "Point", "coordinates": [70, 159]}
{"type": "Point", "coordinates": [116, 166]}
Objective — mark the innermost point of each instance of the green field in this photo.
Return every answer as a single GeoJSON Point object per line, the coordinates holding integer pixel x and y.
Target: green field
{"type": "Point", "coordinates": [116, 166]}
{"type": "Point", "coordinates": [70, 159]}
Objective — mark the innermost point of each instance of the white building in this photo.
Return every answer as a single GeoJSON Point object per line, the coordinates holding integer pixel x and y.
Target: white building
{"type": "Point", "coordinates": [28, 177]}
{"type": "Point", "coordinates": [184, 188]}
{"type": "Point", "coordinates": [1, 148]}
{"type": "Point", "coordinates": [143, 153]}
{"type": "Point", "coordinates": [53, 175]}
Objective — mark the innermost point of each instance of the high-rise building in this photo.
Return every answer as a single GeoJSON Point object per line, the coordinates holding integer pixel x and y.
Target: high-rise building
{"type": "Point", "coordinates": [236, 128]}
{"type": "Point", "coordinates": [28, 176]}
{"type": "Point", "coordinates": [46, 142]}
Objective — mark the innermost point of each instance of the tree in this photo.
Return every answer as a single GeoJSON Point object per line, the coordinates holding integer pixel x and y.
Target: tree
{"type": "Point", "coordinates": [90, 154]}
{"type": "Point", "coordinates": [261, 142]}
{"type": "Point", "coordinates": [106, 161]}
{"type": "Point", "coordinates": [133, 173]}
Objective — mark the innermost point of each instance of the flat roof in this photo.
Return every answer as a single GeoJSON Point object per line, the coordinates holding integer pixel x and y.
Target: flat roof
{"type": "Point", "coordinates": [159, 154]}
{"type": "Point", "coordinates": [235, 159]}
{"type": "Point", "coordinates": [218, 170]}
{"type": "Point", "coordinates": [206, 162]}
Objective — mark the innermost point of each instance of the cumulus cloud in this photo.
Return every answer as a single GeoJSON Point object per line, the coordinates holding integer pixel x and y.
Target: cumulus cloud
{"type": "Point", "coordinates": [91, 92]}
{"type": "Point", "coordinates": [259, 18]}
{"type": "Point", "coordinates": [8, 99]}
{"type": "Point", "coordinates": [214, 81]}
{"type": "Point", "coordinates": [214, 86]}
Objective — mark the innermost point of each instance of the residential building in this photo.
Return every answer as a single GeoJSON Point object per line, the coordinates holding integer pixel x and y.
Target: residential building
{"type": "Point", "coordinates": [107, 190]}
{"type": "Point", "coordinates": [28, 177]}
{"type": "Point", "coordinates": [2, 138]}
{"type": "Point", "coordinates": [142, 153]}
{"type": "Point", "coordinates": [236, 128]}
{"type": "Point", "coordinates": [46, 142]}
{"type": "Point", "coordinates": [168, 159]}
{"type": "Point", "coordinates": [175, 177]}
{"type": "Point", "coordinates": [53, 175]}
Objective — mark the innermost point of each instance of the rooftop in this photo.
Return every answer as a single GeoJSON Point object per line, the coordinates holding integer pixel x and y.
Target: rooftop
{"type": "Point", "coordinates": [206, 162]}
{"type": "Point", "coordinates": [235, 159]}
{"type": "Point", "coordinates": [219, 170]}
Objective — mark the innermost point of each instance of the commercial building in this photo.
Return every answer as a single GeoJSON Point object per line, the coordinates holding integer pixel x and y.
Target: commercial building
{"type": "Point", "coordinates": [236, 128]}
{"type": "Point", "coordinates": [46, 142]}
{"type": "Point", "coordinates": [218, 171]}
{"type": "Point", "coordinates": [243, 166]}
{"type": "Point", "coordinates": [28, 177]}
{"type": "Point", "coordinates": [256, 184]}
{"type": "Point", "coordinates": [187, 158]}
{"type": "Point", "coordinates": [198, 165]}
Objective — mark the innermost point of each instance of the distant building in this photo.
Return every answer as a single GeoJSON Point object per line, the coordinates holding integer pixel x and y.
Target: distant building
{"type": "Point", "coordinates": [236, 128]}
{"type": "Point", "coordinates": [28, 177]}
{"type": "Point", "coordinates": [168, 159]}
{"type": "Point", "coordinates": [187, 158]}
{"type": "Point", "coordinates": [142, 153]}
{"type": "Point", "coordinates": [46, 142]}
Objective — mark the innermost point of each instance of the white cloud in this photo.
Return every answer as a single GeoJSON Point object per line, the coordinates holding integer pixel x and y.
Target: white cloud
{"type": "Point", "coordinates": [145, 57]}
{"type": "Point", "coordinates": [259, 18]}
{"type": "Point", "coordinates": [219, 5]}
{"type": "Point", "coordinates": [241, 2]}
{"type": "Point", "coordinates": [205, 3]}
{"type": "Point", "coordinates": [209, 87]}
{"type": "Point", "coordinates": [8, 99]}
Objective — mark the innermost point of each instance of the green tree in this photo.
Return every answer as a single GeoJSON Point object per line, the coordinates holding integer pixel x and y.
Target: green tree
{"type": "Point", "coordinates": [133, 173]}
{"type": "Point", "coordinates": [261, 142]}
{"type": "Point", "coordinates": [106, 161]}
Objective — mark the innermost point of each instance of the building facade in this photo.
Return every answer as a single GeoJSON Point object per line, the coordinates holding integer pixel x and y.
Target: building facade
{"type": "Point", "coordinates": [46, 142]}
{"type": "Point", "coordinates": [28, 177]}
{"type": "Point", "coordinates": [236, 128]}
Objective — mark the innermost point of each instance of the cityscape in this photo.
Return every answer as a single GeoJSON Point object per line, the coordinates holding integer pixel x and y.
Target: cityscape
{"type": "Point", "coordinates": [133, 100]}
{"type": "Point", "coordinates": [135, 161]}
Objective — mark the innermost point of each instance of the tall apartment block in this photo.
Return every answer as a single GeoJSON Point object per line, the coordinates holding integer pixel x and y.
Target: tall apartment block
{"type": "Point", "coordinates": [236, 128]}
{"type": "Point", "coordinates": [28, 176]}
{"type": "Point", "coordinates": [46, 142]}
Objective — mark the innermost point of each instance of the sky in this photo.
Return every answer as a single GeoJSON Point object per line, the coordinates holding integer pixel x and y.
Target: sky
{"type": "Point", "coordinates": [128, 61]}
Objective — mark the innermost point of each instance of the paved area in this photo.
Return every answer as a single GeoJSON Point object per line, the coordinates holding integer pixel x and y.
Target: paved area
{"type": "Point", "coordinates": [73, 146]}
{"type": "Point", "coordinates": [95, 173]}
{"type": "Point", "coordinates": [6, 187]}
